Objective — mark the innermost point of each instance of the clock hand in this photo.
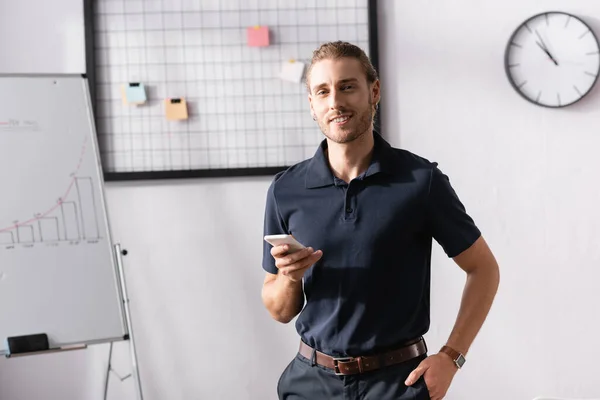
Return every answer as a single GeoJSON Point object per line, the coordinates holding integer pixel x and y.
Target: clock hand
{"type": "Point", "coordinates": [544, 47]}
{"type": "Point", "coordinates": [541, 40]}
{"type": "Point", "coordinates": [548, 53]}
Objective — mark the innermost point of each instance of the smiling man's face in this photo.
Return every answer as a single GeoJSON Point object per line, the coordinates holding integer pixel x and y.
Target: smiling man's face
{"type": "Point", "coordinates": [341, 99]}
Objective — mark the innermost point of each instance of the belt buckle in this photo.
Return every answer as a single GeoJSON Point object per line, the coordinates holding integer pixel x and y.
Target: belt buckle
{"type": "Point", "coordinates": [337, 360]}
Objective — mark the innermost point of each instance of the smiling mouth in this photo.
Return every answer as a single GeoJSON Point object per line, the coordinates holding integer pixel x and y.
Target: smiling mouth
{"type": "Point", "coordinates": [342, 119]}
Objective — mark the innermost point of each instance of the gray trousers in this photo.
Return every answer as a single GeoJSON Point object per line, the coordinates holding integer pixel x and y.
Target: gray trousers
{"type": "Point", "coordinates": [302, 380]}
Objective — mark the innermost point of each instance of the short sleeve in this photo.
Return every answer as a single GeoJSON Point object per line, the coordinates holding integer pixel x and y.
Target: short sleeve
{"type": "Point", "coordinates": [273, 225]}
{"type": "Point", "coordinates": [449, 222]}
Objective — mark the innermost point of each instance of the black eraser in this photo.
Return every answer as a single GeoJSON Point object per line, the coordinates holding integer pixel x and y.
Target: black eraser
{"type": "Point", "coordinates": [134, 84]}
{"type": "Point", "coordinates": [28, 344]}
{"type": "Point", "coordinates": [175, 101]}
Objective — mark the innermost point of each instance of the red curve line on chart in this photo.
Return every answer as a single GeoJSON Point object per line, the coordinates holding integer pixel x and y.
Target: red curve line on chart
{"type": "Point", "coordinates": [44, 214]}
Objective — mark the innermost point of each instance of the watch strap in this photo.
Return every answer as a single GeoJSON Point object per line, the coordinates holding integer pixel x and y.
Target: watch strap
{"type": "Point", "coordinates": [456, 356]}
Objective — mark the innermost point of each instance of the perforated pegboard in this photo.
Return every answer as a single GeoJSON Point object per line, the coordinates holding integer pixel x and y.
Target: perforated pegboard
{"type": "Point", "coordinates": [242, 116]}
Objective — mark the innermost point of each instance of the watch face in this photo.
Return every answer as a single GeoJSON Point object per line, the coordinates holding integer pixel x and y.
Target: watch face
{"type": "Point", "coordinates": [553, 59]}
{"type": "Point", "coordinates": [460, 361]}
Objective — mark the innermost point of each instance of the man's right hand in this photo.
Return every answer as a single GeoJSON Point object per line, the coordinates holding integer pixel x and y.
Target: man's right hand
{"type": "Point", "coordinates": [294, 265]}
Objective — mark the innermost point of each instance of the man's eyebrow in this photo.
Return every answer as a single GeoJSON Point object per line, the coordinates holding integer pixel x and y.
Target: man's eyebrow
{"type": "Point", "coordinates": [320, 85]}
{"type": "Point", "coordinates": [342, 81]}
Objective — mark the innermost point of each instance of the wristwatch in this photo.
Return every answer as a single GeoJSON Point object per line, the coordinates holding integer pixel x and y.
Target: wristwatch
{"type": "Point", "coordinates": [456, 356]}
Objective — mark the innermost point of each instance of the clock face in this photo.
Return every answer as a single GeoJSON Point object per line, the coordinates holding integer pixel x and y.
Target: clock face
{"type": "Point", "coordinates": [553, 59]}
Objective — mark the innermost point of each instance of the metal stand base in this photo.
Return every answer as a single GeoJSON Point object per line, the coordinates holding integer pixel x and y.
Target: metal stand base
{"type": "Point", "coordinates": [110, 369]}
{"type": "Point", "coordinates": [134, 364]}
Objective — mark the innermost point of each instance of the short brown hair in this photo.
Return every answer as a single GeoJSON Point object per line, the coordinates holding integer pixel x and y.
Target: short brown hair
{"type": "Point", "coordinates": [339, 49]}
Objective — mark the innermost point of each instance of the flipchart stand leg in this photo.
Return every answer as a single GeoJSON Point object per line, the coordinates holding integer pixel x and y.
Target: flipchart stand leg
{"type": "Point", "coordinates": [110, 369]}
{"type": "Point", "coordinates": [135, 371]}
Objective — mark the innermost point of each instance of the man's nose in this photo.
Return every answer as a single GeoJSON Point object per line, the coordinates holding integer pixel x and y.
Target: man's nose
{"type": "Point", "coordinates": [335, 100]}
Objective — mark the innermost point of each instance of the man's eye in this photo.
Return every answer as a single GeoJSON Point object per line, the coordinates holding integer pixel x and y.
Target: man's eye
{"type": "Point", "coordinates": [347, 87]}
{"type": "Point", "coordinates": [320, 92]}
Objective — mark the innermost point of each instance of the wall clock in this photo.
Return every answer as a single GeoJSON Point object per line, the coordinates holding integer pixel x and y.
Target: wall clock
{"type": "Point", "coordinates": [553, 59]}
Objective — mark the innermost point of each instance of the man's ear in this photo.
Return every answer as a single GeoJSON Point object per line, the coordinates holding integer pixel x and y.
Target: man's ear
{"type": "Point", "coordinates": [376, 92]}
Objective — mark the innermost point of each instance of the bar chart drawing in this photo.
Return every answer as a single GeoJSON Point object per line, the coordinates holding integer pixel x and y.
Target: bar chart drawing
{"type": "Point", "coordinates": [49, 229]}
{"type": "Point", "coordinates": [73, 218]}
{"type": "Point", "coordinates": [7, 238]}
{"type": "Point", "coordinates": [87, 201]}
{"type": "Point", "coordinates": [25, 234]}
{"type": "Point", "coordinates": [69, 211]}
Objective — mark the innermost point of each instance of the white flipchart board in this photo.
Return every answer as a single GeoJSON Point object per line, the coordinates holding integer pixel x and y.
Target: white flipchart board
{"type": "Point", "coordinates": [58, 270]}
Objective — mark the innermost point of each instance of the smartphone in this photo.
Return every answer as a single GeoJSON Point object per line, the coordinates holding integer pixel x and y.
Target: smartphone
{"type": "Point", "coordinates": [278, 240]}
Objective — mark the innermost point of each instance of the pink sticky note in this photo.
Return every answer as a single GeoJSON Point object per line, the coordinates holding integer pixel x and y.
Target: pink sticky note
{"type": "Point", "coordinates": [258, 36]}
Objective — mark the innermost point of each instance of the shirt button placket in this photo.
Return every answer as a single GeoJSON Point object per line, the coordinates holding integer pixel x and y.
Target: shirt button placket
{"type": "Point", "coordinates": [350, 206]}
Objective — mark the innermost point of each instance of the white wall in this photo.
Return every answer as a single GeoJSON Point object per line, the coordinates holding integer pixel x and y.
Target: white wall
{"type": "Point", "coordinates": [42, 36]}
{"type": "Point", "coordinates": [195, 279]}
{"type": "Point", "coordinates": [525, 173]}
{"type": "Point", "coordinates": [528, 175]}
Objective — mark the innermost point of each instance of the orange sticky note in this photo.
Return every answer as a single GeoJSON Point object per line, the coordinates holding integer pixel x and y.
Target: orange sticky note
{"type": "Point", "coordinates": [258, 36]}
{"type": "Point", "coordinates": [176, 109]}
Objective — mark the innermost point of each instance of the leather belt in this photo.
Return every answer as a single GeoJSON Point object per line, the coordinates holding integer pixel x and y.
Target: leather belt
{"type": "Point", "coordinates": [357, 365]}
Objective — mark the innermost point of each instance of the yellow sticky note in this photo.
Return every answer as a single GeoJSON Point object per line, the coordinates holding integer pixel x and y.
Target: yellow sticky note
{"type": "Point", "coordinates": [176, 109]}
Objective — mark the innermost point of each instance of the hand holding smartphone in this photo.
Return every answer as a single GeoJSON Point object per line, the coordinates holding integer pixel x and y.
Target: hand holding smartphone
{"type": "Point", "coordinates": [296, 260]}
{"type": "Point", "coordinates": [278, 240]}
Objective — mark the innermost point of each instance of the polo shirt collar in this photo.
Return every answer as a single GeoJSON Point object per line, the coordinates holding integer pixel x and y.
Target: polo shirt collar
{"type": "Point", "coordinates": [318, 173]}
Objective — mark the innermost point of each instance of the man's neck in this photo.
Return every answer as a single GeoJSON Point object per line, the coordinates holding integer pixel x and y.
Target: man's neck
{"type": "Point", "coordinates": [349, 160]}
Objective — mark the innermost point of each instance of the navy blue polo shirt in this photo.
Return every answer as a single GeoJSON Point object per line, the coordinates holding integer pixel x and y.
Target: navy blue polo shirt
{"type": "Point", "coordinates": [370, 290]}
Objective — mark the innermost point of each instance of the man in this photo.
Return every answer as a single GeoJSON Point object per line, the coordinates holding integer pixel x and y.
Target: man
{"type": "Point", "coordinates": [368, 213]}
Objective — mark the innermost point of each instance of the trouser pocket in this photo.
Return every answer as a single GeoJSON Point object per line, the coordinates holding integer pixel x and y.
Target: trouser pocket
{"type": "Point", "coordinates": [424, 390]}
{"type": "Point", "coordinates": [282, 377]}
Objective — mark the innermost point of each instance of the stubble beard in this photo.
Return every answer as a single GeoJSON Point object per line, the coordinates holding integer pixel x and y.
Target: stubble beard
{"type": "Point", "coordinates": [362, 122]}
